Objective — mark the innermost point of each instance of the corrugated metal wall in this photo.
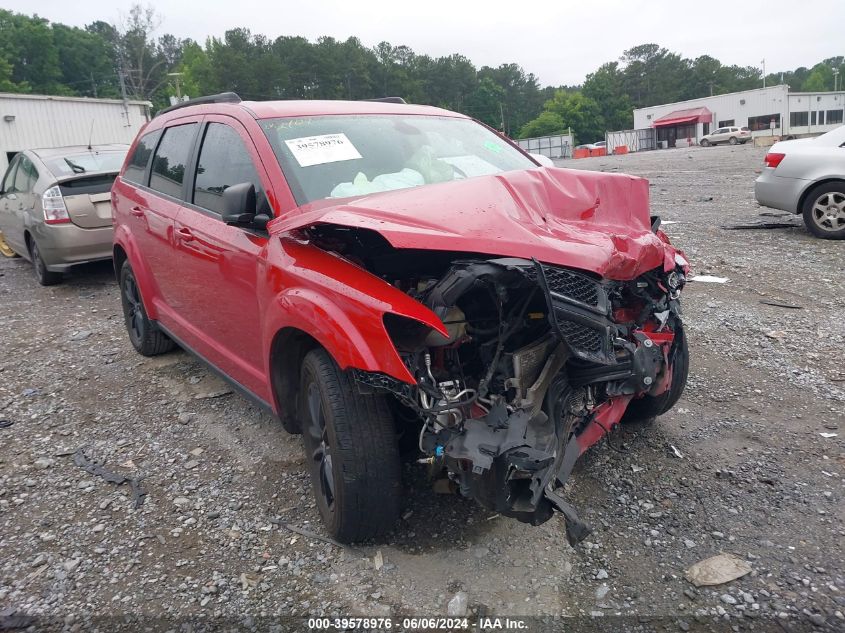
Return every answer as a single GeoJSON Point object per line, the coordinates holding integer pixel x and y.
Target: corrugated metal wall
{"type": "Point", "coordinates": [41, 121]}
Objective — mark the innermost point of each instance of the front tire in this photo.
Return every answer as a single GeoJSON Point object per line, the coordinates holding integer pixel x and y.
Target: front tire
{"type": "Point", "coordinates": [352, 452]}
{"type": "Point", "coordinates": [45, 277]}
{"type": "Point", "coordinates": [649, 407]}
{"type": "Point", "coordinates": [144, 335]}
{"type": "Point", "coordinates": [704, 143]}
{"type": "Point", "coordinates": [824, 211]}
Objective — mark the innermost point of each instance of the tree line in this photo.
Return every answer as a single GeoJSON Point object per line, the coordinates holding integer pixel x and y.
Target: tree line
{"type": "Point", "coordinates": [108, 60]}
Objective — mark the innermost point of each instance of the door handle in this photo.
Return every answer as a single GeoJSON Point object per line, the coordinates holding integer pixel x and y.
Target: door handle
{"type": "Point", "coordinates": [138, 212]}
{"type": "Point", "coordinates": [184, 234]}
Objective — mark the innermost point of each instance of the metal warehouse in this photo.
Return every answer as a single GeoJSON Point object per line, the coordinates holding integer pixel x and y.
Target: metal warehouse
{"type": "Point", "coordinates": [772, 111]}
{"type": "Point", "coordinates": [37, 121]}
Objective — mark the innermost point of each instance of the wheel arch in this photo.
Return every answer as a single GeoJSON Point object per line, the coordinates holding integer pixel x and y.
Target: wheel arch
{"type": "Point", "coordinates": [287, 351]}
{"type": "Point", "coordinates": [118, 257]}
{"type": "Point", "coordinates": [809, 189]}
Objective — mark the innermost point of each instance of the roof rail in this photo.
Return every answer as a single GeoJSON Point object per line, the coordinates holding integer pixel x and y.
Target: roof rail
{"type": "Point", "coordinates": [223, 97]}
{"type": "Point", "coordinates": [387, 100]}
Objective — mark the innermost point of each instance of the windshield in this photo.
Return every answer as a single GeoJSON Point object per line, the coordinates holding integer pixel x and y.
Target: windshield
{"type": "Point", "coordinates": [85, 162]}
{"type": "Point", "coordinates": [352, 155]}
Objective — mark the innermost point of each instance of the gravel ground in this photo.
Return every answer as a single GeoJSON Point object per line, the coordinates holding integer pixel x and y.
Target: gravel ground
{"type": "Point", "coordinates": [228, 532]}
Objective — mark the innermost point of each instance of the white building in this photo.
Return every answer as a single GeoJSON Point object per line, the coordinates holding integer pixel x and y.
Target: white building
{"type": "Point", "coordinates": [765, 111]}
{"type": "Point", "coordinates": [32, 121]}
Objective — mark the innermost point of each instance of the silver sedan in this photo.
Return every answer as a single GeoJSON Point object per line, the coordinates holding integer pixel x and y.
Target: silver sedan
{"type": "Point", "coordinates": [807, 176]}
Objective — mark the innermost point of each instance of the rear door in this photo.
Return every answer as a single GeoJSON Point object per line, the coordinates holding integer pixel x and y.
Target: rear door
{"type": "Point", "coordinates": [153, 205]}
{"type": "Point", "coordinates": [21, 204]}
{"type": "Point", "coordinates": [7, 200]}
{"type": "Point", "coordinates": [218, 264]}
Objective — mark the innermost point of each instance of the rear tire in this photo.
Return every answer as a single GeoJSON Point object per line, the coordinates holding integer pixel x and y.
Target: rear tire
{"type": "Point", "coordinates": [649, 407]}
{"type": "Point", "coordinates": [733, 140]}
{"type": "Point", "coordinates": [351, 450]}
{"type": "Point", "coordinates": [144, 335]}
{"type": "Point", "coordinates": [45, 277]}
{"type": "Point", "coordinates": [824, 211]}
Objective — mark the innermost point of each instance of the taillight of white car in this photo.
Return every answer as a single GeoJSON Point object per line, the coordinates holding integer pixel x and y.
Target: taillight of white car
{"type": "Point", "coordinates": [773, 159]}
{"type": "Point", "coordinates": [55, 211]}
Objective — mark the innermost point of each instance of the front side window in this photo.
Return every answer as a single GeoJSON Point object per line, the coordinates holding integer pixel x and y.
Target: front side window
{"type": "Point", "coordinates": [355, 155]}
{"type": "Point", "coordinates": [171, 159]}
{"type": "Point", "coordinates": [224, 161]}
{"type": "Point", "coordinates": [136, 168]}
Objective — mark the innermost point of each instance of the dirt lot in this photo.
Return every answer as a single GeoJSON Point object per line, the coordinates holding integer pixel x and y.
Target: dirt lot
{"type": "Point", "coordinates": [750, 472]}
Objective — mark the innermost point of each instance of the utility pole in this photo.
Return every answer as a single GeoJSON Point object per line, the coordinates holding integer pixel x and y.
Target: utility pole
{"type": "Point", "coordinates": [502, 116]}
{"type": "Point", "coordinates": [123, 93]}
{"type": "Point", "coordinates": [93, 85]}
{"type": "Point", "coordinates": [177, 81]}
{"type": "Point", "coordinates": [835, 78]}
{"type": "Point", "coordinates": [763, 61]}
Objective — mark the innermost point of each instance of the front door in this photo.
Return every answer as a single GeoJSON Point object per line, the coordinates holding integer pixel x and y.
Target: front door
{"type": "Point", "coordinates": [219, 264]}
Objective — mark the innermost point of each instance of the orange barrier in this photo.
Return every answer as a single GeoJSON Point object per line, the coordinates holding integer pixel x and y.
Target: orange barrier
{"type": "Point", "coordinates": [620, 149]}
{"type": "Point", "coordinates": [580, 153]}
{"type": "Point", "coordinates": [601, 151]}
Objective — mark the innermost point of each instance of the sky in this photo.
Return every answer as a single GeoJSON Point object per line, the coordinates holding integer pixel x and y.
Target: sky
{"type": "Point", "coordinates": [560, 41]}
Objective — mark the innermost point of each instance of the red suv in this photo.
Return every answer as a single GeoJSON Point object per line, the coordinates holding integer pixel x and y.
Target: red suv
{"type": "Point", "coordinates": [392, 278]}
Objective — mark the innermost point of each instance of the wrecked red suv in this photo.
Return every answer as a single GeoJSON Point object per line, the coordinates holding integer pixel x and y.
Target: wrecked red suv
{"type": "Point", "coordinates": [382, 275]}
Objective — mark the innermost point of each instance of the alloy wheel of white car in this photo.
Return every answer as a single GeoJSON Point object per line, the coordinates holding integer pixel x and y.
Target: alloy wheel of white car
{"type": "Point", "coordinates": [829, 211]}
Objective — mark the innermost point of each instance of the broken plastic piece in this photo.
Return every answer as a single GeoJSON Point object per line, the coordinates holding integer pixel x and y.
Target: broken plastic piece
{"type": "Point", "coordinates": [717, 570]}
{"type": "Point", "coordinates": [711, 279]}
{"type": "Point", "coordinates": [95, 468]}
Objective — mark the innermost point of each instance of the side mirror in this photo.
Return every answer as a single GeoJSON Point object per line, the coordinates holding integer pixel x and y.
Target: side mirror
{"type": "Point", "coordinates": [239, 203]}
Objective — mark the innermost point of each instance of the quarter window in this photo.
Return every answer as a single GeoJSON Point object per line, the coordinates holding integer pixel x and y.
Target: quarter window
{"type": "Point", "coordinates": [9, 180]}
{"type": "Point", "coordinates": [224, 161]}
{"type": "Point", "coordinates": [26, 176]}
{"type": "Point", "coordinates": [171, 158]}
{"type": "Point", "coordinates": [136, 168]}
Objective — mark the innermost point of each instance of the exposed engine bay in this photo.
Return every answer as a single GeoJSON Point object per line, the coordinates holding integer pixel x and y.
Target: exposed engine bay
{"type": "Point", "coordinates": [539, 363]}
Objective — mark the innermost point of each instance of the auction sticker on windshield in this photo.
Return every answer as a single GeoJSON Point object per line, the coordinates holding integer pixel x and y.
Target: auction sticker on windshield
{"type": "Point", "coordinates": [318, 150]}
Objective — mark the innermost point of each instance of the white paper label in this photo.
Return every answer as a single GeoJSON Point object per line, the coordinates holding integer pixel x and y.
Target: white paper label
{"type": "Point", "coordinates": [318, 150]}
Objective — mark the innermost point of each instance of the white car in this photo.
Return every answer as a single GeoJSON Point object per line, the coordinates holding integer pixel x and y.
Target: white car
{"type": "Point", "coordinates": [731, 135]}
{"type": "Point", "coordinates": [807, 176]}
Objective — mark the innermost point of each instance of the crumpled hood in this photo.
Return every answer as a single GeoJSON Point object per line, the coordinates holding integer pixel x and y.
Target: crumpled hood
{"type": "Point", "coordinates": [580, 219]}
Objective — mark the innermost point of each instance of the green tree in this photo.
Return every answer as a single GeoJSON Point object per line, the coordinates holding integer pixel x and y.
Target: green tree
{"type": "Point", "coordinates": [547, 124]}
{"type": "Point", "coordinates": [486, 103]}
{"type": "Point", "coordinates": [580, 113]}
{"type": "Point", "coordinates": [606, 88]}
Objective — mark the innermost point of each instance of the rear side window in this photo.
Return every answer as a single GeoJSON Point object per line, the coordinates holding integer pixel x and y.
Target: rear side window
{"type": "Point", "coordinates": [224, 161]}
{"type": "Point", "coordinates": [9, 180]}
{"type": "Point", "coordinates": [171, 159]}
{"type": "Point", "coordinates": [136, 169]}
{"type": "Point", "coordinates": [26, 176]}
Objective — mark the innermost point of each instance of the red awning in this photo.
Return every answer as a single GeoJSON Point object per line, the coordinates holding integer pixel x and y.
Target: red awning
{"type": "Point", "coordinates": [692, 115]}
